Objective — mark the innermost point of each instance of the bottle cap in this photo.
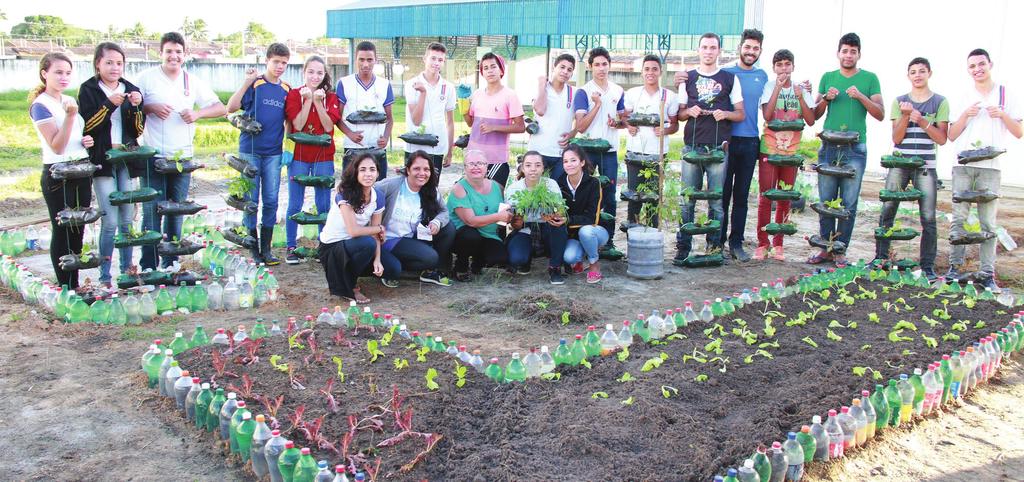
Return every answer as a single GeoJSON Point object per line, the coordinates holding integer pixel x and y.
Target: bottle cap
{"type": "Point", "coordinates": [844, 409]}
{"type": "Point", "coordinates": [366, 309]}
{"type": "Point", "coordinates": [305, 450]}
{"type": "Point", "coordinates": [246, 416]}
{"type": "Point", "coordinates": [590, 328]}
{"type": "Point", "coordinates": [260, 418]}
{"type": "Point", "coordinates": [415, 333]}
{"type": "Point", "coordinates": [805, 429]}
{"type": "Point", "coordinates": [748, 464]}
{"type": "Point", "coordinates": [340, 469]}
{"type": "Point", "coordinates": [288, 444]}
{"type": "Point", "coordinates": [608, 326]}
{"type": "Point", "coordinates": [205, 386]}
{"type": "Point", "coordinates": [476, 352]}
{"type": "Point", "coordinates": [241, 404]}
{"type": "Point", "coordinates": [832, 413]}
{"type": "Point", "coordinates": [515, 354]}
{"type": "Point", "coordinates": [462, 347]}
{"type": "Point", "coordinates": [625, 323]}
{"type": "Point", "coordinates": [903, 376]}
{"type": "Point", "coordinates": [324, 310]}
{"type": "Point", "coordinates": [917, 371]}
{"type": "Point", "coordinates": [856, 402]}
{"type": "Point", "coordinates": [544, 349]}
{"type": "Point", "coordinates": [494, 361]}
{"type": "Point", "coordinates": [232, 396]}
{"type": "Point", "coordinates": [158, 342]}
{"type": "Point", "coordinates": [376, 315]}
{"type": "Point", "coordinates": [776, 445]}
{"type": "Point", "coordinates": [561, 341]}
{"type": "Point", "coordinates": [352, 303]}
{"type": "Point", "coordinates": [688, 304]}
{"type": "Point", "coordinates": [579, 337]}
{"type": "Point", "coordinates": [220, 331]}
{"type": "Point", "coordinates": [791, 436]}
{"type": "Point", "coordinates": [275, 433]}
{"type": "Point", "coordinates": [731, 472]}
{"type": "Point", "coordinates": [173, 362]}
{"type": "Point", "coordinates": [322, 464]}
{"type": "Point", "coordinates": [865, 393]}
{"type": "Point", "coordinates": [178, 334]}
{"type": "Point", "coordinates": [195, 380]}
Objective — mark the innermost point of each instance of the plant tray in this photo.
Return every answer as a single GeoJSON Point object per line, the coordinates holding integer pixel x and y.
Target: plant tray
{"type": "Point", "coordinates": [773, 229]}
{"type": "Point", "coordinates": [644, 120]}
{"type": "Point", "coordinates": [168, 166]}
{"type": "Point", "coordinates": [147, 238]}
{"type": "Point", "coordinates": [462, 141]}
{"type": "Point", "coordinates": [130, 153]}
{"type": "Point", "coordinates": [824, 210]}
{"type": "Point", "coordinates": [904, 162]}
{"type": "Point", "coordinates": [75, 217]}
{"type": "Point", "coordinates": [905, 264]}
{"type": "Point", "coordinates": [366, 117]}
{"type": "Point", "coordinates": [912, 194]}
{"type": "Point", "coordinates": [783, 126]}
{"type": "Point", "coordinates": [314, 181]}
{"type": "Point", "coordinates": [841, 170]}
{"type": "Point", "coordinates": [246, 241]}
{"type": "Point", "coordinates": [303, 217]}
{"type": "Point", "coordinates": [592, 145]}
{"type": "Point", "coordinates": [80, 169]}
{"type": "Point", "coordinates": [241, 165]}
{"type": "Point", "coordinates": [976, 155]}
{"type": "Point", "coordinates": [694, 229]}
{"type": "Point", "coordinates": [642, 160]}
{"type": "Point", "coordinates": [703, 260]}
{"type": "Point", "coordinates": [715, 156]}
{"type": "Point", "coordinates": [73, 262]}
{"type": "Point", "coordinates": [709, 195]}
{"type": "Point", "coordinates": [837, 247]}
{"type": "Point", "coordinates": [141, 195]}
{"type": "Point", "coordinates": [904, 234]}
{"type": "Point", "coordinates": [839, 137]}
{"type": "Point", "coordinates": [305, 253]}
{"type": "Point", "coordinates": [152, 278]}
{"type": "Point", "coordinates": [962, 238]}
{"type": "Point", "coordinates": [322, 140]}
{"type": "Point", "coordinates": [245, 123]}
{"type": "Point", "coordinates": [794, 160]}
{"type": "Point", "coordinates": [782, 194]}
{"type": "Point", "coordinates": [420, 139]}
{"type": "Point", "coordinates": [974, 196]}
{"type": "Point", "coordinates": [174, 208]}
{"type": "Point", "coordinates": [180, 248]}
{"type": "Point", "coordinates": [241, 204]}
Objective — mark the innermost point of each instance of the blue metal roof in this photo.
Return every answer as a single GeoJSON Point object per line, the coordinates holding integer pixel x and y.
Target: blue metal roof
{"type": "Point", "coordinates": [526, 18]}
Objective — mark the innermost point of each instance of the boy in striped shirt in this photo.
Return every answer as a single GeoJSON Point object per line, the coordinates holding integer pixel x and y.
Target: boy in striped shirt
{"type": "Point", "coordinates": [920, 121]}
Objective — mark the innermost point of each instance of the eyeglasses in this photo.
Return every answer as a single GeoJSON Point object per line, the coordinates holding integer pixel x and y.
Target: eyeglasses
{"type": "Point", "coordinates": [476, 164]}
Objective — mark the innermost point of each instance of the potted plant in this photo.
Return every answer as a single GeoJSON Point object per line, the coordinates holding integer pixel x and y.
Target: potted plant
{"type": "Point", "coordinates": [703, 155]}
{"type": "Point", "coordinates": [176, 164]}
{"type": "Point", "coordinates": [837, 168]}
{"type": "Point", "coordinates": [979, 152]}
{"type": "Point", "coordinates": [178, 247]}
{"type": "Point", "coordinates": [970, 234]}
{"type": "Point", "coordinates": [140, 195]}
{"type": "Point", "coordinates": [896, 232]}
{"type": "Point", "coordinates": [135, 237]}
{"type": "Point", "coordinates": [309, 216]}
{"type": "Point", "coordinates": [830, 245]}
{"type": "Point", "coordinates": [897, 160]}
{"type": "Point", "coordinates": [314, 181]}
{"type": "Point", "coordinates": [238, 188]}
{"type": "Point", "coordinates": [174, 208]}
{"type": "Point", "coordinates": [241, 165]}
{"type": "Point", "coordinates": [707, 195]}
{"type": "Point", "coordinates": [785, 192]}
{"type": "Point", "coordinates": [908, 194]}
{"type": "Point", "coordinates": [833, 208]}
{"type": "Point", "coordinates": [79, 169]}
{"type": "Point", "coordinates": [245, 122]}
{"type": "Point", "coordinates": [240, 236]}
{"type": "Point", "coordinates": [538, 202]}
{"type": "Point", "coordinates": [792, 160]}
{"type": "Point", "coordinates": [87, 259]}
{"type": "Point", "coordinates": [130, 152]}
{"type": "Point", "coordinates": [76, 217]}
{"type": "Point", "coordinates": [840, 137]}
{"type": "Point", "coordinates": [972, 196]}
{"type": "Point", "coordinates": [709, 259]}
{"type": "Point", "coordinates": [783, 126]}
{"type": "Point", "coordinates": [420, 137]}
{"type": "Point", "coordinates": [321, 140]}
{"type": "Point", "coordinates": [133, 278]}
{"type": "Point", "coordinates": [701, 225]}
{"type": "Point", "coordinates": [367, 115]}
{"type": "Point", "coordinates": [785, 228]}
{"type": "Point", "coordinates": [462, 141]}
{"type": "Point", "coordinates": [591, 145]}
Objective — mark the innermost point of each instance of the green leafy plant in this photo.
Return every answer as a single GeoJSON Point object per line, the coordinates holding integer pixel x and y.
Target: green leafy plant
{"type": "Point", "coordinates": [626, 377]}
{"type": "Point", "coordinates": [421, 354]}
{"type": "Point", "coordinates": [374, 350]}
{"type": "Point", "coordinates": [460, 375]}
{"type": "Point", "coordinates": [240, 186]}
{"type": "Point", "coordinates": [655, 362]}
{"type": "Point", "coordinates": [700, 378]}
{"type": "Point", "coordinates": [929, 341]}
{"type": "Point", "coordinates": [972, 227]}
{"type": "Point", "coordinates": [565, 318]}
{"type": "Point", "coordinates": [337, 362]}
{"type": "Point", "coordinates": [400, 363]}
{"type": "Point", "coordinates": [86, 253]}
{"type": "Point", "coordinates": [861, 371]}
{"type": "Point", "coordinates": [628, 401]}
{"type": "Point", "coordinates": [293, 342]}
{"type": "Point", "coordinates": [832, 335]}
{"type": "Point", "coordinates": [538, 200]}
{"type": "Point", "coordinates": [430, 376]}
{"type": "Point", "coordinates": [836, 203]}
{"type": "Point", "coordinates": [950, 337]}
{"type": "Point", "coordinates": [668, 391]}
{"type": "Point", "coordinates": [274, 362]}
{"type": "Point", "coordinates": [551, 376]}
{"type": "Point", "coordinates": [809, 341]}
{"type": "Point", "coordinates": [597, 395]}
{"type": "Point", "coordinates": [623, 354]}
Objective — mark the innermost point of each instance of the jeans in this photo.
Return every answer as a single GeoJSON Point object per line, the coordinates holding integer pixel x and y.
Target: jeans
{"type": "Point", "coordinates": [830, 187]}
{"type": "Point", "coordinates": [59, 195]}
{"type": "Point", "coordinates": [297, 193]}
{"type": "Point", "coordinates": [436, 161]}
{"type": "Point", "coordinates": [589, 239]}
{"type": "Point", "coordinates": [768, 177]}
{"type": "Point", "coordinates": [976, 178]}
{"type": "Point", "coordinates": [608, 165]}
{"type": "Point", "coordinates": [633, 182]}
{"type": "Point", "coordinates": [411, 254]}
{"type": "Point", "coordinates": [469, 243]}
{"type": "Point", "coordinates": [925, 180]}
{"type": "Point", "coordinates": [382, 161]}
{"type": "Point", "coordinates": [172, 187]}
{"type": "Point", "coordinates": [114, 218]}
{"type": "Point", "coordinates": [743, 153]}
{"type": "Point", "coordinates": [520, 245]}
{"type": "Point", "coordinates": [554, 167]}
{"type": "Point", "coordinates": [267, 183]}
{"type": "Point", "coordinates": [360, 252]}
{"type": "Point", "coordinates": [693, 176]}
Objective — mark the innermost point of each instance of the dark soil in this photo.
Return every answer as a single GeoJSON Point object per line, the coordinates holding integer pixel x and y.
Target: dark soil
{"type": "Point", "coordinates": [566, 429]}
{"type": "Point", "coordinates": [536, 307]}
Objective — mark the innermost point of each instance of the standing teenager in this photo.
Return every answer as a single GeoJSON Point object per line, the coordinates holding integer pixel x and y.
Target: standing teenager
{"type": "Point", "coordinates": [554, 114]}
{"type": "Point", "coordinates": [494, 114]}
{"type": "Point", "coordinates": [430, 104]}
{"type": "Point", "coordinates": [262, 97]}
{"type": "Point", "coordinates": [113, 109]}
{"type": "Point", "coordinates": [59, 127]}
{"type": "Point", "coordinates": [363, 91]}
{"type": "Point", "coordinates": [547, 231]}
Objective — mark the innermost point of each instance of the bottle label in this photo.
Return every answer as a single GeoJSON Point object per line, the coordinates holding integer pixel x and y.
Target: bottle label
{"type": "Point", "coordinates": [954, 390]}
{"type": "Point", "coordinates": [835, 450]}
{"type": "Point", "coordinates": [795, 472]}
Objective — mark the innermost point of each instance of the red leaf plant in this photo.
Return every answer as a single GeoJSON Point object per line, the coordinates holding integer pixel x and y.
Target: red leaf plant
{"type": "Point", "coordinates": [339, 339]}
{"type": "Point", "coordinates": [219, 363]}
{"type": "Point", "coordinates": [296, 418]}
{"type": "Point", "coordinates": [311, 429]}
{"type": "Point", "coordinates": [272, 406]}
{"type": "Point", "coordinates": [246, 389]}
{"type": "Point", "coordinates": [332, 403]}
{"type": "Point", "coordinates": [403, 421]}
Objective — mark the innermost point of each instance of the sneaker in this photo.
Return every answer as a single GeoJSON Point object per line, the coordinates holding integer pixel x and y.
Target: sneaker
{"type": "Point", "coordinates": [778, 253]}
{"type": "Point", "coordinates": [463, 277]}
{"type": "Point", "coordinates": [577, 268]}
{"type": "Point", "coordinates": [593, 277]}
{"type": "Point", "coordinates": [434, 276]}
{"type": "Point", "coordinates": [761, 252]}
{"type": "Point", "coordinates": [555, 275]}
{"type": "Point", "coordinates": [953, 274]}
{"type": "Point", "coordinates": [929, 274]}
{"type": "Point", "coordinates": [991, 283]}
{"type": "Point", "coordinates": [390, 283]}
{"type": "Point", "coordinates": [610, 253]}
{"type": "Point", "coordinates": [737, 252]}
{"type": "Point", "coordinates": [292, 258]}
{"type": "Point", "coordinates": [523, 269]}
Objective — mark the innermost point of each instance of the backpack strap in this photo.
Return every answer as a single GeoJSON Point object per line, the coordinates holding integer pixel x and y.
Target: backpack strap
{"type": "Point", "coordinates": [1002, 97]}
{"type": "Point", "coordinates": [568, 102]}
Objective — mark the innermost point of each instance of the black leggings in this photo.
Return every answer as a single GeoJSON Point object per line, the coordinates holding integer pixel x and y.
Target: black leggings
{"type": "Point", "coordinates": [498, 173]}
{"type": "Point", "coordinates": [59, 195]}
{"type": "Point", "coordinates": [469, 243]}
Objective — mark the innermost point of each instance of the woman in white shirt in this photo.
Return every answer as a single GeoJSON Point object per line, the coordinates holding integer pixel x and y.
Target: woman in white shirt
{"type": "Point", "coordinates": [351, 238]}
{"type": "Point", "coordinates": [545, 231]}
{"type": "Point", "coordinates": [59, 128]}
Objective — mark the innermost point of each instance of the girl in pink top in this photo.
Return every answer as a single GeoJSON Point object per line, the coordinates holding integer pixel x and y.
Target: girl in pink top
{"type": "Point", "coordinates": [494, 113]}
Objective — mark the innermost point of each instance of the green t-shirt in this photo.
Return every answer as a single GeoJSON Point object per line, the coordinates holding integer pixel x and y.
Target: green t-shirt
{"type": "Point", "coordinates": [844, 111]}
{"type": "Point", "coordinates": [481, 205]}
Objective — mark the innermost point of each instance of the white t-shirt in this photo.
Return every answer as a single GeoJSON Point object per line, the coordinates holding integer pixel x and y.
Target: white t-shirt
{"type": "Point", "coordinates": [611, 104]}
{"type": "Point", "coordinates": [185, 92]}
{"type": "Point", "coordinates": [46, 109]}
{"type": "Point", "coordinates": [405, 214]}
{"type": "Point", "coordinates": [557, 120]}
{"type": "Point", "coordinates": [440, 101]}
{"type": "Point", "coordinates": [356, 96]}
{"type": "Point", "coordinates": [990, 131]}
{"type": "Point", "coordinates": [520, 185]}
{"type": "Point", "coordinates": [639, 101]}
{"type": "Point", "coordinates": [334, 229]}
{"type": "Point", "coordinates": [115, 117]}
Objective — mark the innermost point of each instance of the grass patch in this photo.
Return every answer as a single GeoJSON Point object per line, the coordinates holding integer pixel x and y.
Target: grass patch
{"type": "Point", "coordinates": [163, 331]}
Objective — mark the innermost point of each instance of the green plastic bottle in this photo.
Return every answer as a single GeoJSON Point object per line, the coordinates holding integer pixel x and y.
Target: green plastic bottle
{"type": "Point", "coordinates": [287, 460]}
{"type": "Point", "coordinates": [99, 312]}
{"type": "Point", "coordinates": [918, 384]}
{"type": "Point", "coordinates": [592, 342]}
{"type": "Point", "coordinates": [200, 298]}
{"type": "Point", "coordinates": [213, 414]}
{"type": "Point", "coordinates": [762, 465]}
{"type": "Point", "coordinates": [678, 318]}
{"type": "Point", "coordinates": [236, 420]}
{"type": "Point", "coordinates": [947, 378]}
{"type": "Point", "coordinates": [353, 314]}
{"type": "Point", "coordinates": [366, 319]}
{"type": "Point", "coordinates": [515, 371]}
{"type": "Point", "coordinates": [562, 355]}
{"type": "Point", "coordinates": [892, 394]}
{"type": "Point", "coordinates": [730, 475]}
{"type": "Point", "coordinates": [306, 469]}
{"type": "Point", "coordinates": [179, 343]}
{"type": "Point", "coordinates": [243, 435]}
{"type": "Point", "coordinates": [153, 364]}
{"type": "Point", "coordinates": [116, 315]}
{"type": "Point", "coordinates": [806, 441]}
{"type": "Point", "coordinates": [717, 308]}
{"type": "Point", "coordinates": [438, 345]}
{"type": "Point", "coordinates": [199, 337]}
{"type": "Point", "coordinates": [203, 405]}
{"type": "Point", "coordinates": [259, 330]}
{"type": "Point", "coordinates": [79, 310]}
{"type": "Point", "coordinates": [183, 299]}
{"type": "Point", "coordinates": [493, 371]}
{"type": "Point", "coordinates": [971, 290]}
{"type": "Point", "coordinates": [578, 351]}
{"type": "Point", "coordinates": [164, 303]}
{"type": "Point", "coordinates": [880, 402]}
{"type": "Point", "coordinates": [60, 307]}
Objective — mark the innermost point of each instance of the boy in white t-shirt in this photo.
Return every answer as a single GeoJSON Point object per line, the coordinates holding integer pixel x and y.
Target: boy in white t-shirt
{"type": "Point", "coordinates": [554, 111]}
{"type": "Point", "coordinates": [986, 116]}
{"type": "Point", "coordinates": [172, 96]}
{"type": "Point", "coordinates": [430, 102]}
{"type": "Point", "coordinates": [363, 91]}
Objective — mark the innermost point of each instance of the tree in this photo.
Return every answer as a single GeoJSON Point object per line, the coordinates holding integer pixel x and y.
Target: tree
{"type": "Point", "coordinates": [256, 33]}
{"type": "Point", "coordinates": [40, 26]}
{"type": "Point", "coordinates": [137, 31]}
{"type": "Point", "coordinates": [195, 29]}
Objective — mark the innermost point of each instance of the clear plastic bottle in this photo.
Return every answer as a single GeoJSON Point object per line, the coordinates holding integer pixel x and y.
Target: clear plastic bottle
{"type": "Point", "coordinates": [906, 391]}
{"type": "Point", "coordinates": [532, 363]}
{"type": "Point", "coordinates": [795, 458]}
{"type": "Point", "coordinates": [609, 340]}
{"type": "Point", "coordinates": [272, 451]}
{"type": "Point", "coordinates": [477, 361]}
{"type": "Point", "coordinates": [132, 310]}
{"type": "Point", "coordinates": [170, 379]}
{"type": "Point", "coordinates": [324, 317]}
{"type": "Point", "coordinates": [689, 315]}
{"type": "Point", "coordinates": [779, 462]}
{"type": "Point", "coordinates": [670, 324]}
{"type": "Point", "coordinates": [625, 337]}
{"type": "Point", "coordinates": [655, 325]}
{"type": "Point", "coordinates": [260, 294]}
{"type": "Point", "coordinates": [117, 314]}
{"type": "Point", "coordinates": [821, 439]}
{"type": "Point", "coordinates": [849, 426]}
{"type": "Point", "coordinates": [323, 473]}
{"type": "Point", "coordinates": [215, 296]}
{"type": "Point", "coordinates": [860, 422]}
{"type": "Point", "coordinates": [190, 399]}
{"type": "Point", "coordinates": [835, 436]}
{"type": "Point", "coordinates": [869, 413]}
{"type": "Point", "coordinates": [339, 474]}
{"type": "Point", "coordinates": [746, 473]}
{"type": "Point", "coordinates": [240, 334]}
{"type": "Point", "coordinates": [275, 328]}
{"type": "Point", "coordinates": [257, 454]}
{"type": "Point", "coordinates": [162, 373]}
{"type": "Point", "coordinates": [232, 295]}
{"type": "Point", "coordinates": [245, 293]}
{"type": "Point", "coordinates": [705, 313]}
{"type": "Point", "coordinates": [224, 419]}
{"type": "Point", "coordinates": [463, 355]}
{"type": "Point", "coordinates": [220, 339]}
{"type": "Point", "coordinates": [338, 317]}
{"type": "Point", "coordinates": [547, 362]}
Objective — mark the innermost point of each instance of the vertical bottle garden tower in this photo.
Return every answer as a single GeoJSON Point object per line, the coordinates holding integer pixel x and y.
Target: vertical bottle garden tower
{"type": "Point", "coordinates": [896, 232]}
{"type": "Point", "coordinates": [833, 209]}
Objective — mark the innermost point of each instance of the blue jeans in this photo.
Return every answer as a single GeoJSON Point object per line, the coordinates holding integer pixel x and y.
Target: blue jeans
{"type": "Point", "coordinates": [114, 218]}
{"type": "Point", "coordinates": [554, 167]}
{"type": "Point", "coordinates": [608, 165]}
{"type": "Point", "coordinates": [739, 170]}
{"type": "Point", "coordinates": [925, 180]}
{"type": "Point", "coordinates": [693, 176]}
{"type": "Point", "coordinates": [297, 192]}
{"type": "Point", "coordinates": [589, 239]}
{"type": "Point", "coordinates": [172, 187]}
{"type": "Point", "coordinates": [410, 254]}
{"type": "Point", "coordinates": [267, 183]}
{"type": "Point", "coordinates": [520, 245]}
{"type": "Point", "coordinates": [830, 187]}
{"type": "Point", "coordinates": [360, 257]}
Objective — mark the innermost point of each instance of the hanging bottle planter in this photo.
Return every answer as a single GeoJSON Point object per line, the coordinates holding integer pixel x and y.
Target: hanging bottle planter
{"type": "Point", "coordinates": [836, 170]}
{"type": "Point", "coordinates": [836, 247]}
{"type": "Point", "coordinates": [77, 217]}
{"type": "Point", "coordinates": [896, 233]}
{"type": "Point", "coordinates": [786, 229]}
{"type": "Point", "coordinates": [833, 211]}
{"type": "Point", "coordinates": [911, 194]}
{"type": "Point", "coordinates": [303, 217]}
{"type": "Point", "coordinates": [245, 123]}
{"type": "Point", "coordinates": [314, 181]}
{"type": "Point", "coordinates": [174, 208]}
{"type": "Point", "coordinates": [840, 137]}
{"type": "Point", "coordinates": [705, 155]}
{"type": "Point", "coordinates": [462, 141]}
{"type": "Point", "coordinates": [322, 140]}
{"type": "Point", "coordinates": [977, 154]}
{"type": "Point", "coordinates": [420, 139]}
{"type": "Point", "coordinates": [972, 196]}
{"type": "Point", "coordinates": [241, 165]}
{"type": "Point", "coordinates": [782, 194]}
{"type": "Point", "coordinates": [703, 260]}
{"type": "Point", "coordinates": [786, 126]}
{"type": "Point", "coordinates": [179, 248]}
{"type": "Point", "coordinates": [304, 252]}
{"type": "Point", "coordinates": [898, 161]}
{"type": "Point", "coordinates": [962, 238]}
{"type": "Point", "coordinates": [135, 238]}
{"type": "Point", "coordinates": [172, 166]}
{"type": "Point", "coordinates": [80, 169]}
{"type": "Point", "coordinates": [152, 278]}
{"type": "Point", "coordinates": [240, 204]}
{"type": "Point", "coordinates": [794, 160]}
{"type": "Point", "coordinates": [240, 236]}
{"type": "Point", "coordinates": [366, 116]}
{"type": "Point", "coordinates": [141, 195]}
{"type": "Point", "coordinates": [591, 145]}
{"type": "Point", "coordinates": [130, 153]}
{"type": "Point", "coordinates": [75, 262]}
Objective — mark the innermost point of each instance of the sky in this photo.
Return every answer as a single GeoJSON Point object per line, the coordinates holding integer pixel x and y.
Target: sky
{"type": "Point", "coordinates": [222, 17]}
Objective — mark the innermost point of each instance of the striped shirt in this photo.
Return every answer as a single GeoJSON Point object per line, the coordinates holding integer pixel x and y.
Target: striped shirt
{"type": "Point", "coordinates": [916, 141]}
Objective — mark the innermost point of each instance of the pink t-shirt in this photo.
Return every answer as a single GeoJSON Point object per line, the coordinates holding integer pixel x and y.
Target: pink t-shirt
{"type": "Point", "coordinates": [497, 109]}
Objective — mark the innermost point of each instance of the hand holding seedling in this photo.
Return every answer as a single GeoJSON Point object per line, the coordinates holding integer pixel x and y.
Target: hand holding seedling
{"type": "Point", "coordinates": [306, 93]}
{"type": "Point", "coordinates": [319, 95]}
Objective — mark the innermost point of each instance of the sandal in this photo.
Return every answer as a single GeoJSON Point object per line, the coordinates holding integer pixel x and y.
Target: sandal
{"type": "Point", "coordinates": [360, 297]}
{"type": "Point", "coordinates": [819, 258]}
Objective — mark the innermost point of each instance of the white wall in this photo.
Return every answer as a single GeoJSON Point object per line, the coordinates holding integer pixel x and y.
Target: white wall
{"type": "Point", "coordinates": [892, 32]}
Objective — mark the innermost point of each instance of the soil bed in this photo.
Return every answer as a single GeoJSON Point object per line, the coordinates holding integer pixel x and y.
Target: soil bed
{"type": "Point", "coordinates": [535, 307]}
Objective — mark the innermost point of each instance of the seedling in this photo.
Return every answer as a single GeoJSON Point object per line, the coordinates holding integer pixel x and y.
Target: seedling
{"type": "Point", "coordinates": [668, 391]}
{"type": "Point", "coordinates": [338, 363]}
{"type": "Point", "coordinates": [374, 350]}
{"type": "Point", "coordinates": [597, 395]}
{"type": "Point", "coordinates": [929, 341]}
{"type": "Point", "coordinates": [240, 186]}
{"type": "Point", "coordinates": [421, 354]}
{"type": "Point", "coordinates": [551, 376]}
{"type": "Point", "coordinates": [332, 404]}
{"type": "Point", "coordinates": [832, 335]}
{"type": "Point", "coordinates": [623, 354]}
{"type": "Point", "coordinates": [565, 318]}
{"type": "Point", "coordinates": [246, 389]}
{"type": "Point", "coordinates": [626, 377]}
{"type": "Point", "coordinates": [809, 341]}
{"type": "Point", "coordinates": [400, 363]}
{"type": "Point", "coordinates": [655, 362]}
{"type": "Point", "coordinates": [627, 402]}
{"type": "Point", "coordinates": [460, 375]}
{"type": "Point", "coordinates": [430, 376]}
{"type": "Point", "coordinates": [700, 378]}
{"type": "Point", "coordinates": [836, 204]}
{"type": "Point", "coordinates": [950, 337]}
{"type": "Point", "coordinates": [274, 359]}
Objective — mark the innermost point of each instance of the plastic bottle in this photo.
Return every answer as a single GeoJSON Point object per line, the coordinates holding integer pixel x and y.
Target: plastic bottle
{"type": "Point", "coordinates": [200, 297]}
{"type": "Point", "coordinates": [215, 296]}
{"type": "Point", "coordinates": [880, 402]}
{"type": "Point", "coordinates": [179, 344]}
{"type": "Point", "coordinates": [366, 318]}
{"type": "Point", "coordinates": [705, 313]}
{"type": "Point", "coordinates": [625, 336]}
{"type": "Point", "coordinates": [547, 362]}
{"type": "Point", "coordinates": [794, 456]}
{"type": "Point", "coordinates": [182, 387]}
{"type": "Point", "coordinates": [170, 378]}
{"type": "Point", "coordinates": [117, 314]}
{"type": "Point", "coordinates": [183, 299]}
{"type": "Point", "coordinates": [807, 443]}
{"type": "Point", "coordinates": [147, 307]}
{"type": "Point", "coordinates": [477, 361]}
{"type": "Point", "coordinates": [213, 413]}
{"type": "Point", "coordinates": [338, 317]}
{"type": "Point", "coordinates": [835, 435]}
{"type": "Point", "coordinates": [577, 352]}
{"type": "Point", "coordinates": [243, 436]}
{"type": "Point", "coordinates": [779, 463]}
{"type": "Point", "coordinates": [494, 372]}
{"type": "Point", "coordinates": [869, 413]}
{"type": "Point", "coordinates": [895, 397]}
{"type": "Point", "coordinates": [325, 317]}
{"type": "Point", "coordinates": [260, 436]}
{"type": "Point", "coordinates": [731, 475]}
{"type": "Point", "coordinates": [860, 421]}
{"type": "Point", "coordinates": [353, 314]}
{"type": "Point", "coordinates": [918, 385]}
{"type": "Point", "coordinates": [246, 296]}
{"type": "Point", "coordinates": [762, 465]}
{"type": "Point", "coordinates": [592, 342]}
{"type": "Point", "coordinates": [220, 339]}
{"type": "Point", "coordinates": [272, 452]}
{"type": "Point", "coordinates": [231, 295]}
{"type": "Point", "coordinates": [275, 328]}
{"type": "Point", "coordinates": [677, 319]}
{"type": "Point", "coordinates": [849, 426]}
{"type": "Point", "coordinates": [154, 364]}
{"type": "Point", "coordinates": [562, 354]}
{"type": "Point", "coordinates": [339, 474]}
{"type": "Point", "coordinates": [453, 349]}
{"type": "Point", "coordinates": [821, 439]}
{"type": "Point", "coordinates": [609, 341]}
{"type": "Point", "coordinates": [260, 293]}
{"type": "Point", "coordinates": [79, 310]}
{"type": "Point", "coordinates": [234, 422]}
{"type": "Point", "coordinates": [190, 399]}
{"type": "Point", "coordinates": [958, 364]}
{"type": "Point", "coordinates": [307, 468]}
{"type": "Point", "coordinates": [933, 388]}
{"type": "Point", "coordinates": [164, 303]}
{"type": "Point", "coordinates": [287, 461]}
{"type": "Point", "coordinates": [224, 417]}
{"type": "Point", "coordinates": [689, 316]}
{"type": "Point", "coordinates": [946, 372]}
{"type": "Point", "coordinates": [746, 473]}
{"type": "Point", "coordinates": [532, 363]}
{"type": "Point", "coordinates": [240, 334]}
{"type": "Point", "coordinates": [515, 371]}
{"type": "Point", "coordinates": [99, 312]}
{"type": "Point", "coordinates": [323, 473]}
{"type": "Point", "coordinates": [669, 326]}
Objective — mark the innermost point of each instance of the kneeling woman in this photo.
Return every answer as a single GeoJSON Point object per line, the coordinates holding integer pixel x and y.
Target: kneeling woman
{"type": "Point", "coordinates": [419, 236]}
{"type": "Point", "coordinates": [582, 193]}
{"type": "Point", "coordinates": [549, 230]}
{"type": "Point", "coordinates": [351, 239]}
{"type": "Point", "coordinates": [474, 207]}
